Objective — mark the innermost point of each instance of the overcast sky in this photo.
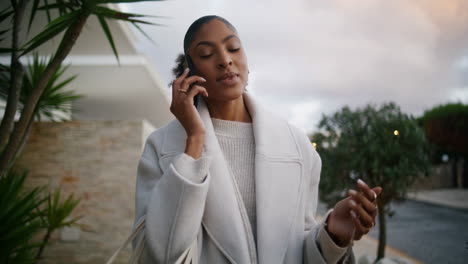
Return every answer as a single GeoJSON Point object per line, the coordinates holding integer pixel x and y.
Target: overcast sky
{"type": "Point", "coordinates": [310, 57]}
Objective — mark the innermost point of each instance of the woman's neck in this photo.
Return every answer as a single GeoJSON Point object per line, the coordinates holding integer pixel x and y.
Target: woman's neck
{"type": "Point", "coordinates": [234, 110]}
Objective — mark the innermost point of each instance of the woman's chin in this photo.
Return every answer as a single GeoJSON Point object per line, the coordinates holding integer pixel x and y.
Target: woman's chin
{"type": "Point", "coordinates": [228, 94]}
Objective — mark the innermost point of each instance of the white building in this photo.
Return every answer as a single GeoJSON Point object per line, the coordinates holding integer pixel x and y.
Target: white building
{"type": "Point", "coordinates": [132, 90]}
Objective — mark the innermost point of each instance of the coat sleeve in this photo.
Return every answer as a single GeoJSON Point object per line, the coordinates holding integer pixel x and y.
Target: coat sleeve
{"type": "Point", "coordinates": [318, 245]}
{"type": "Point", "coordinates": [171, 200]}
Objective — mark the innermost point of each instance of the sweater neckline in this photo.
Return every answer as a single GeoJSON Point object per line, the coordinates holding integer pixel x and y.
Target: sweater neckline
{"type": "Point", "coordinates": [234, 129]}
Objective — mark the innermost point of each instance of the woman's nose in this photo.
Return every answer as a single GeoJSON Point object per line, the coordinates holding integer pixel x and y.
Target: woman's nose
{"type": "Point", "coordinates": [224, 61]}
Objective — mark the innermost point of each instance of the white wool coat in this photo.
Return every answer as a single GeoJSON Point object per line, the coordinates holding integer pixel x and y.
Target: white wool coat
{"type": "Point", "coordinates": [179, 209]}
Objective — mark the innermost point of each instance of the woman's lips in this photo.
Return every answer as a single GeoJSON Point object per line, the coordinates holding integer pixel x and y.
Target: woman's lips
{"type": "Point", "coordinates": [230, 80]}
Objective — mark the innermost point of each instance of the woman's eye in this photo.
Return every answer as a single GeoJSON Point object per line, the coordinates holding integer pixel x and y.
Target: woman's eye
{"type": "Point", "coordinates": [209, 55]}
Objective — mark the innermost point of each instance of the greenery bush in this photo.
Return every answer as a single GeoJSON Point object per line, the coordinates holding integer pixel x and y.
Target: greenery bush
{"type": "Point", "coordinates": [25, 213]}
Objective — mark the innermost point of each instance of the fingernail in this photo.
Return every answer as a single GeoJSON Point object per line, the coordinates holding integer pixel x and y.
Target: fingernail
{"type": "Point", "coordinates": [186, 70]}
{"type": "Point", "coordinates": [353, 214]}
{"type": "Point", "coordinates": [361, 182]}
{"type": "Point", "coordinates": [203, 79]}
{"type": "Point", "coordinates": [352, 192]}
{"type": "Point", "coordinates": [352, 202]}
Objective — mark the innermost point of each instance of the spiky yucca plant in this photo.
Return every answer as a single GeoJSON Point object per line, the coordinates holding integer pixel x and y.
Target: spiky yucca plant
{"type": "Point", "coordinates": [55, 215]}
{"type": "Point", "coordinates": [55, 96]}
{"type": "Point", "coordinates": [71, 18]}
{"type": "Point", "coordinates": [24, 213]}
{"type": "Point", "coordinates": [19, 215]}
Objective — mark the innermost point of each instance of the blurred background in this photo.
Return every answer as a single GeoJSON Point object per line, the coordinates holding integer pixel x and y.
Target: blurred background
{"type": "Point", "coordinates": [380, 87]}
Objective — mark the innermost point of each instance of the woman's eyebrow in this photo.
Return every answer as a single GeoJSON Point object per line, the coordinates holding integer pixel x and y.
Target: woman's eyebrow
{"type": "Point", "coordinates": [209, 43]}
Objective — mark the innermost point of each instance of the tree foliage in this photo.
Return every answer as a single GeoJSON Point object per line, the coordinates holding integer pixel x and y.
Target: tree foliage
{"type": "Point", "coordinates": [447, 127]}
{"type": "Point", "coordinates": [380, 145]}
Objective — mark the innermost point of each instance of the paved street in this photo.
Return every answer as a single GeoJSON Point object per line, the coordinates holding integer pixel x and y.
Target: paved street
{"type": "Point", "coordinates": [429, 233]}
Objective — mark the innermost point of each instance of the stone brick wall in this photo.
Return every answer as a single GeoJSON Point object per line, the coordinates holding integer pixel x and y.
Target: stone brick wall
{"type": "Point", "coordinates": [97, 161]}
{"type": "Point", "coordinates": [440, 177]}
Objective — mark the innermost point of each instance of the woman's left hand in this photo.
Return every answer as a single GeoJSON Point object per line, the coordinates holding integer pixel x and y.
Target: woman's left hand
{"type": "Point", "coordinates": [353, 216]}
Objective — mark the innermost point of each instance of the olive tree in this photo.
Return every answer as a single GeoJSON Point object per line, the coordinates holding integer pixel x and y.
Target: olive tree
{"type": "Point", "coordinates": [380, 145]}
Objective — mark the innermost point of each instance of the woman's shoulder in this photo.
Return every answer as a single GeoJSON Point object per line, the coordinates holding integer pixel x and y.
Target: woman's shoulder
{"type": "Point", "coordinates": [160, 140]}
{"type": "Point", "coordinates": [160, 133]}
{"type": "Point", "coordinates": [305, 144]}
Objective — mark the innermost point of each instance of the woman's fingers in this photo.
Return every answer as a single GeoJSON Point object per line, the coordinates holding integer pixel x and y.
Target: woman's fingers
{"type": "Point", "coordinates": [363, 208]}
{"type": "Point", "coordinates": [364, 217]}
{"type": "Point", "coordinates": [370, 207]}
{"type": "Point", "coordinates": [377, 190]}
{"type": "Point", "coordinates": [368, 192]}
{"type": "Point", "coordinates": [183, 83]}
{"type": "Point", "coordinates": [195, 90]}
{"type": "Point", "coordinates": [359, 230]}
{"type": "Point", "coordinates": [187, 82]}
{"type": "Point", "coordinates": [177, 82]}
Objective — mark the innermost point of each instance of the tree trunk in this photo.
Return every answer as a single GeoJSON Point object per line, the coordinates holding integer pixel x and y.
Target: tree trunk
{"type": "Point", "coordinates": [20, 128]}
{"type": "Point", "coordinates": [44, 243]}
{"type": "Point", "coordinates": [16, 76]}
{"type": "Point", "coordinates": [23, 140]}
{"type": "Point", "coordinates": [455, 172]}
{"type": "Point", "coordinates": [465, 173]}
{"type": "Point", "coordinates": [382, 233]}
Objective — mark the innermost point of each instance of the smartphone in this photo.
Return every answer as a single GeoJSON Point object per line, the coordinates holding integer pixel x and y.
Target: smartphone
{"type": "Point", "coordinates": [190, 66]}
{"type": "Point", "coordinates": [191, 73]}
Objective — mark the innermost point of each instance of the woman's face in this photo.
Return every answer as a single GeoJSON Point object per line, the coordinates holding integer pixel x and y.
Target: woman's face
{"type": "Point", "coordinates": [218, 56]}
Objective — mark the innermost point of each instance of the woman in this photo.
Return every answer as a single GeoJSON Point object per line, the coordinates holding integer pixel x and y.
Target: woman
{"type": "Point", "coordinates": [241, 182]}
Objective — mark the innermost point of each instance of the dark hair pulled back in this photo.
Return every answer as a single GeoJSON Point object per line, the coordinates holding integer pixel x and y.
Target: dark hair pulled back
{"type": "Point", "coordinates": [182, 59]}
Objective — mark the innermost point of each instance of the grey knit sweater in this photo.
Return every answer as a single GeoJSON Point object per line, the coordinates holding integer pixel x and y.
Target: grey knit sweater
{"type": "Point", "coordinates": [236, 140]}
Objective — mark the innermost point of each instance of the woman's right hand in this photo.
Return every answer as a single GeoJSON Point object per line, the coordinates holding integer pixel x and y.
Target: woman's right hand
{"type": "Point", "coordinates": [184, 110]}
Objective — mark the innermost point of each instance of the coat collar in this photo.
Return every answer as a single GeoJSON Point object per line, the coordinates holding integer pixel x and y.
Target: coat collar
{"type": "Point", "coordinates": [267, 127]}
{"type": "Point", "coordinates": [278, 177]}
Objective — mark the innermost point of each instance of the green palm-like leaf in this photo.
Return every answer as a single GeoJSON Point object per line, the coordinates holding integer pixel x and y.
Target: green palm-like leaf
{"type": "Point", "coordinates": [19, 218]}
{"type": "Point", "coordinates": [70, 10]}
{"type": "Point", "coordinates": [63, 6]}
{"type": "Point", "coordinates": [49, 17]}
{"type": "Point", "coordinates": [106, 29]}
{"type": "Point", "coordinates": [6, 50]}
{"type": "Point", "coordinates": [55, 27]}
{"type": "Point", "coordinates": [57, 212]}
{"type": "Point", "coordinates": [54, 98]}
{"type": "Point", "coordinates": [33, 13]}
{"type": "Point", "coordinates": [143, 32]}
{"type": "Point", "coordinates": [6, 13]}
{"type": "Point", "coordinates": [113, 14]}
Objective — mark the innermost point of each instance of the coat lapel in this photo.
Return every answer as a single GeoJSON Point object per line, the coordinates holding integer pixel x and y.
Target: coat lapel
{"type": "Point", "coordinates": [222, 218]}
{"type": "Point", "coordinates": [278, 177]}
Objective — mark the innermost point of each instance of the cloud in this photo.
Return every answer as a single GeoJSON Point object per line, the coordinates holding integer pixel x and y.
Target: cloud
{"type": "Point", "coordinates": [313, 57]}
